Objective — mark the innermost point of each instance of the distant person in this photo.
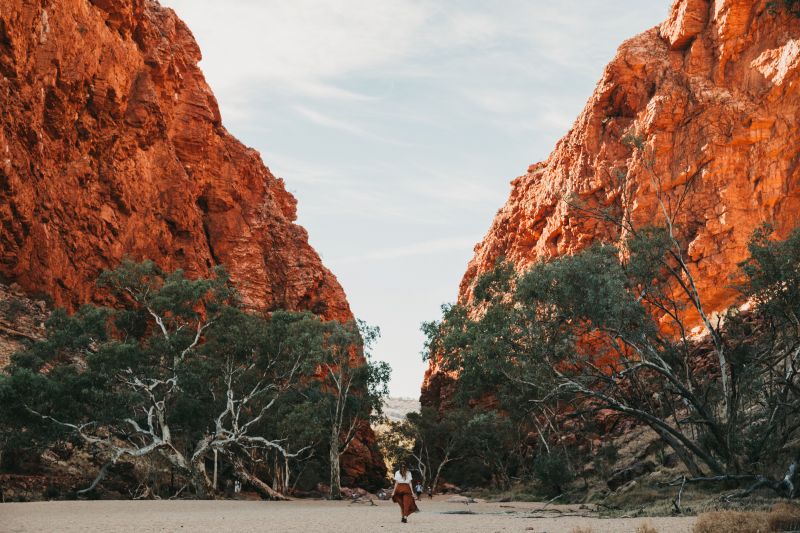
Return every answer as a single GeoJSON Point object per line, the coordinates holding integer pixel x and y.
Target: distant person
{"type": "Point", "coordinates": [430, 492]}
{"type": "Point", "coordinates": [402, 494]}
{"type": "Point", "coordinates": [418, 490]}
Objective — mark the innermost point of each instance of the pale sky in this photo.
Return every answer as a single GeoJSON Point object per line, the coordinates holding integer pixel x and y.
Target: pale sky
{"type": "Point", "coordinates": [398, 125]}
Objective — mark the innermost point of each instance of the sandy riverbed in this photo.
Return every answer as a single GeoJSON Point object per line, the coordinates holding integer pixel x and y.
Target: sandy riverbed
{"type": "Point", "coordinates": [308, 515]}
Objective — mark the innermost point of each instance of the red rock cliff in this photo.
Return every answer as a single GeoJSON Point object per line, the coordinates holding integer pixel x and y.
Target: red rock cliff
{"type": "Point", "coordinates": [112, 145]}
{"type": "Point", "coordinates": [714, 93]}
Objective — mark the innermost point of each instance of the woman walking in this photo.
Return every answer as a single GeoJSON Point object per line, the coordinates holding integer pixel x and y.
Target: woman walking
{"type": "Point", "coordinates": [402, 493]}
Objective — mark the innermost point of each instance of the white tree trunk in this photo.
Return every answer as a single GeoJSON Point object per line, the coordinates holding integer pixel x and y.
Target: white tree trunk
{"type": "Point", "coordinates": [336, 475]}
{"type": "Point", "coordinates": [216, 461]}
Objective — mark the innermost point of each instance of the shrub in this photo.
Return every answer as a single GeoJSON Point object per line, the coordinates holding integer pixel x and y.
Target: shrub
{"type": "Point", "coordinates": [784, 517]}
{"type": "Point", "coordinates": [608, 452]}
{"type": "Point", "coordinates": [605, 458]}
{"type": "Point", "coordinates": [12, 309]}
{"type": "Point", "coordinates": [647, 527]}
{"type": "Point", "coordinates": [792, 6]}
{"type": "Point", "coordinates": [552, 471]}
{"type": "Point", "coordinates": [731, 522]}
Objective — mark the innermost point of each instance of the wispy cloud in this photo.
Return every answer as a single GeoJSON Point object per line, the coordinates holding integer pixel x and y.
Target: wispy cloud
{"type": "Point", "coordinates": [330, 122]}
{"type": "Point", "coordinates": [398, 124]}
{"type": "Point", "coordinates": [437, 246]}
{"type": "Point", "coordinates": [450, 190]}
{"type": "Point", "coordinates": [305, 172]}
{"type": "Point", "coordinates": [303, 45]}
{"type": "Point", "coordinates": [310, 51]}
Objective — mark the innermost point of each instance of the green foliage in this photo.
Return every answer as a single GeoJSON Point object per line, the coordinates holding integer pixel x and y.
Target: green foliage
{"type": "Point", "coordinates": [608, 453]}
{"type": "Point", "coordinates": [396, 440]}
{"type": "Point", "coordinates": [773, 273]}
{"type": "Point", "coordinates": [633, 140]}
{"type": "Point", "coordinates": [506, 341]}
{"type": "Point", "coordinates": [579, 334]}
{"type": "Point", "coordinates": [12, 308]}
{"type": "Point", "coordinates": [552, 470]}
{"type": "Point", "coordinates": [496, 283]}
{"type": "Point", "coordinates": [493, 441]}
{"type": "Point", "coordinates": [349, 391]}
{"type": "Point", "coordinates": [176, 367]}
{"type": "Point", "coordinates": [590, 286]}
{"type": "Point", "coordinates": [358, 389]}
{"type": "Point", "coordinates": [467, 446]}
{"type": "Point", "coordinates": [791, 6]}
{"type": "Point", "coordinates": [604, 459]}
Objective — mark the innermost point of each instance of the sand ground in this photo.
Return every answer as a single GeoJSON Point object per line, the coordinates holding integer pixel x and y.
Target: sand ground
{"type": "Point", "coordinates": [438, 515]}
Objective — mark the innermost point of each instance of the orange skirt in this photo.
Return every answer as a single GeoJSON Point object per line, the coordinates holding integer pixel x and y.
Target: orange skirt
{"type": "Point", "coordinates": [405, 499]}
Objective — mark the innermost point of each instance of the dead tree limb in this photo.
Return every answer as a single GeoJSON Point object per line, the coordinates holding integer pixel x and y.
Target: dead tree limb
{"type": "Point", "coordinates": [677, 501]}
{"type": "Point", "coordinates": [259, 485]}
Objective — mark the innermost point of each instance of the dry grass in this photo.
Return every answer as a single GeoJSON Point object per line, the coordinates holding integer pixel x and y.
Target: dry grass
{"type": "Point", "coordinates": [647, 527]}
{"type": "Point", "coordinates": [731, 522]}
{"type": "Point", "coordinates": [784, 517]}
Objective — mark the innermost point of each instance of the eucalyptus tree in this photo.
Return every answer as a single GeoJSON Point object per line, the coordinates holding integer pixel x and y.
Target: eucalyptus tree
{"type": "Point", "coordinates": [351, 388]}
{"type": "Point", "coordinates": [610, 328]}
{"type": "Point", "coordinates": [174, 368]}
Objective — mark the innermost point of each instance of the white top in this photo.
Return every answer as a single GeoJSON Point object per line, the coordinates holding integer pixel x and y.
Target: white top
{"type": "Point", "coordinates": [400, 479]}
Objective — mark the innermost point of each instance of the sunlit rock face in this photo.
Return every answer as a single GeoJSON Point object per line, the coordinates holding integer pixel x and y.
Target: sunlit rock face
{"type": "Point", "coordinates": [714, 94]}
{"type": "Point", "coordinates": [112, 145]}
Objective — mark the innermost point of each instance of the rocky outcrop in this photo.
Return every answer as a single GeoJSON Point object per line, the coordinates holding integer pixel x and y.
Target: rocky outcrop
{"type": "Point", "coordinates": [712, 96]}
{"type": "Point", "coordinates": [21, 320]}
{"type": "Point", "coordinates": [112, 145]}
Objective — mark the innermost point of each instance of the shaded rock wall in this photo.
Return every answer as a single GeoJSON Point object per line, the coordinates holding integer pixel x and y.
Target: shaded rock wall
{"type": "Point", "coordinates": [714, 93]}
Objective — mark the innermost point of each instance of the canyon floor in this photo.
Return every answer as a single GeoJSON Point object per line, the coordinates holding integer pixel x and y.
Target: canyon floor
{"type": "Point", "coordinates": [438, 515]}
